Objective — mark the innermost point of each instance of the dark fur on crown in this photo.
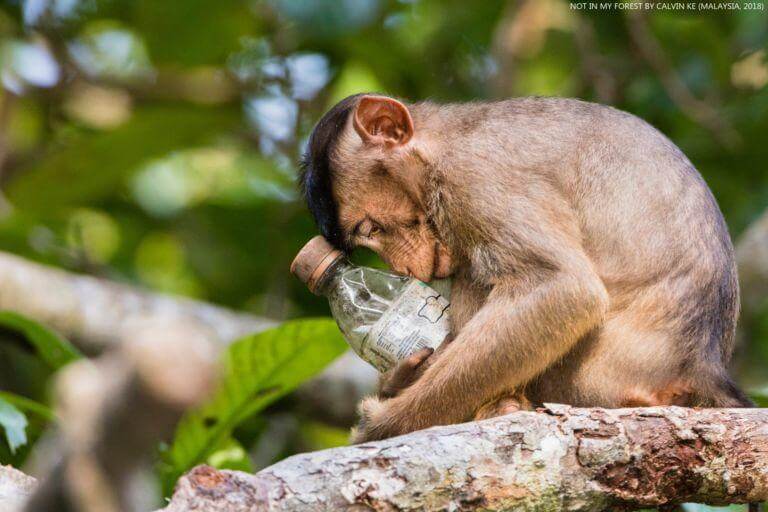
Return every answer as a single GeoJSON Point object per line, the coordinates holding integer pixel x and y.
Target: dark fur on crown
{"type": "Point", "coordinates": [316, 171]}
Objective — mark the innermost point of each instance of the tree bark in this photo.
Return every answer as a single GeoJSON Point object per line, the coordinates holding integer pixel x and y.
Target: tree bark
{"type": "Point", "coordinates": [15, 489]}
{"type": "Point", "coordinates": [559, 458]}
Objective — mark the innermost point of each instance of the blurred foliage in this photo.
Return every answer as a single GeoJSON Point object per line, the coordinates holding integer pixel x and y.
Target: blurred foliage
{"type": "Point", "coordinates": [30, 354]}
{"type": "Point", "coordinates": [257, 371]}
{"type": "Point", "coordinates": [156, 142]}
{"type": "Point", "coordinates": [14, 423]}
{"type": "Point", "coordinates": [51, 349]}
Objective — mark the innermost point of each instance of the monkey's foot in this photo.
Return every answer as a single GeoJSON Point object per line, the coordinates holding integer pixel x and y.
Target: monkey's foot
{"type": "Point", "coordinates": [502, 405]}
{"type": "Point", "coordinates": [676, 393]}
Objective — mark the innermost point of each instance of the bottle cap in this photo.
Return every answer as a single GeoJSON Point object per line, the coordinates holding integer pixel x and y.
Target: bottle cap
{"type": "Point", "coordinates": [313, 260]}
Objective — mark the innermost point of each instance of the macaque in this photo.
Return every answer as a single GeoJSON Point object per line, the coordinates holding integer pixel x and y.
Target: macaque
{"type": "Point", "coordinates": [590, 263]}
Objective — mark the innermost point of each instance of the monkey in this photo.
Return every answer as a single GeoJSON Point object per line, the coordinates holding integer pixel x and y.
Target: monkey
{"type": "Point", "coordinates": [590, 262]}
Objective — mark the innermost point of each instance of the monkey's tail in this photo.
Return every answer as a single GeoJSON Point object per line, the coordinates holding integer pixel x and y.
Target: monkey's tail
{"type": "Point", "coordinates": [719, 390]}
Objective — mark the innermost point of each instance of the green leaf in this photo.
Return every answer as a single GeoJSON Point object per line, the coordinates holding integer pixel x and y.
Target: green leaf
{"type": "Point", "coordinates": [39, 416]}
{"type": "Point", "coordinates": [172, 29]}
{"type": "Point", "coordinates": [760, 396]}
{"type": "Point", "coordinates": [14, 423]}
{"type": "Point", "coordinates": [54, 350]}
{"type": "Point", "coordinates": [230, 455]}
{"type": "Point", "coordinates": [698, 507]}
{"type": "Point", "coordinates": [257, 371]}
{"type": "Point", "coordinates": [92, 166]}
{"type": "Point", "coordinates": [31, 407]}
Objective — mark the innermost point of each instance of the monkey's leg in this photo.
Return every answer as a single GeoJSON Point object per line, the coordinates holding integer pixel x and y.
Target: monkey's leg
{"type": "Point", "coordinates": [410, 369]}
{"type": "Point", "coordinates": [675, 393]}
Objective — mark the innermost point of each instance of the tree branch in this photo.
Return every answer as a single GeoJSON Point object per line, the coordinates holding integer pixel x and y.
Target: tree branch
{"type": "Point", "coordinates": [557, 458]}
{"type": "Point", "coordinates": [15, 488]}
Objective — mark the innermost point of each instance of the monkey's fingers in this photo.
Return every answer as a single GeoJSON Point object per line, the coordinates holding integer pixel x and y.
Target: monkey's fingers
{"type": "Point", "coordinates": [405, 373]}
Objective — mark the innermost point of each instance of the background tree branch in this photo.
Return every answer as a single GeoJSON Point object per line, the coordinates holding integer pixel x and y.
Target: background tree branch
{"type": "Point", "coordinates": [98, 313]}
{"type": "Point", "coordinates": [115, 409]}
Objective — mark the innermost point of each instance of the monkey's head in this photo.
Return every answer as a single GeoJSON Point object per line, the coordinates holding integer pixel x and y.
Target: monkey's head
{"type": "Point", "coordinates": [364, 184]}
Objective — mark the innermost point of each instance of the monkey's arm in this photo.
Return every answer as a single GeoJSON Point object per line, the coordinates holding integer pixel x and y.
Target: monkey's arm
{"type": "Point", "coordinates": [526, 324]}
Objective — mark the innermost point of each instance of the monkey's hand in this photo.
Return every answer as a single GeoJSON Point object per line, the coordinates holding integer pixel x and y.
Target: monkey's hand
{"type": "Point", "coordinates": [405, 373]}
{"type": "Point", "coordinates": [391, 384]}
{"type": "Point", "coordinates": [371, 410]}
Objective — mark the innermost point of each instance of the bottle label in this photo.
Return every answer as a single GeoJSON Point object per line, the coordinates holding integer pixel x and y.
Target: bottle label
{"type": "Point", "coordinates": [418, 318]}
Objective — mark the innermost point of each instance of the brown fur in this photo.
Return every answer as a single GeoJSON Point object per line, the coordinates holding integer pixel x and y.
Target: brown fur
{"type": "Point", "coordinates": [591, 263]}
{"type": "Point", "coordinates": [505, 404]}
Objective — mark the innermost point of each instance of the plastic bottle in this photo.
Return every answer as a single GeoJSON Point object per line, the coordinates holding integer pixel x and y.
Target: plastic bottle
{"type": "Point", "coordinates": [383, 316]}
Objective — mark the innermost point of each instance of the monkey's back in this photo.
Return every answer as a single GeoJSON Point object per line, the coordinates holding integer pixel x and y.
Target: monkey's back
{"type": "Point", "coordinates": [662, 248]}
{"type": "Point", "coordinates": [654, 233]}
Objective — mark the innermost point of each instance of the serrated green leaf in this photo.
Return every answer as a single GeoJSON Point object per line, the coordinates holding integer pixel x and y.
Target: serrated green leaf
{"type": "Point", "coordinates": [54, 350]}
{"type": "Point", "coordinates": [14, 423]}
{"type": "Point", "coordinates": [257, 371]}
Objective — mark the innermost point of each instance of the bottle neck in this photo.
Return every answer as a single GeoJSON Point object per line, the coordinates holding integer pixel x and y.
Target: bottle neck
{"type": "Point", "coordinates": [331, 276]}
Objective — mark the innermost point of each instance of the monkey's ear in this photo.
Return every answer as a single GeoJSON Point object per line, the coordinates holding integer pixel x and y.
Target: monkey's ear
{"type": "Point", "coordinates": [382, 120]}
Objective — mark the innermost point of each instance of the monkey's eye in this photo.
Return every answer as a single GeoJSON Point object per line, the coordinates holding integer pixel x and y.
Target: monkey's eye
{"type": "Point", "coordinates": [367, 228]}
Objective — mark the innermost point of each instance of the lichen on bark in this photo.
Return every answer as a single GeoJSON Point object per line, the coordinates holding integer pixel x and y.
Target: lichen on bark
{"type": "Point", "coordinates": [557, 458]}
